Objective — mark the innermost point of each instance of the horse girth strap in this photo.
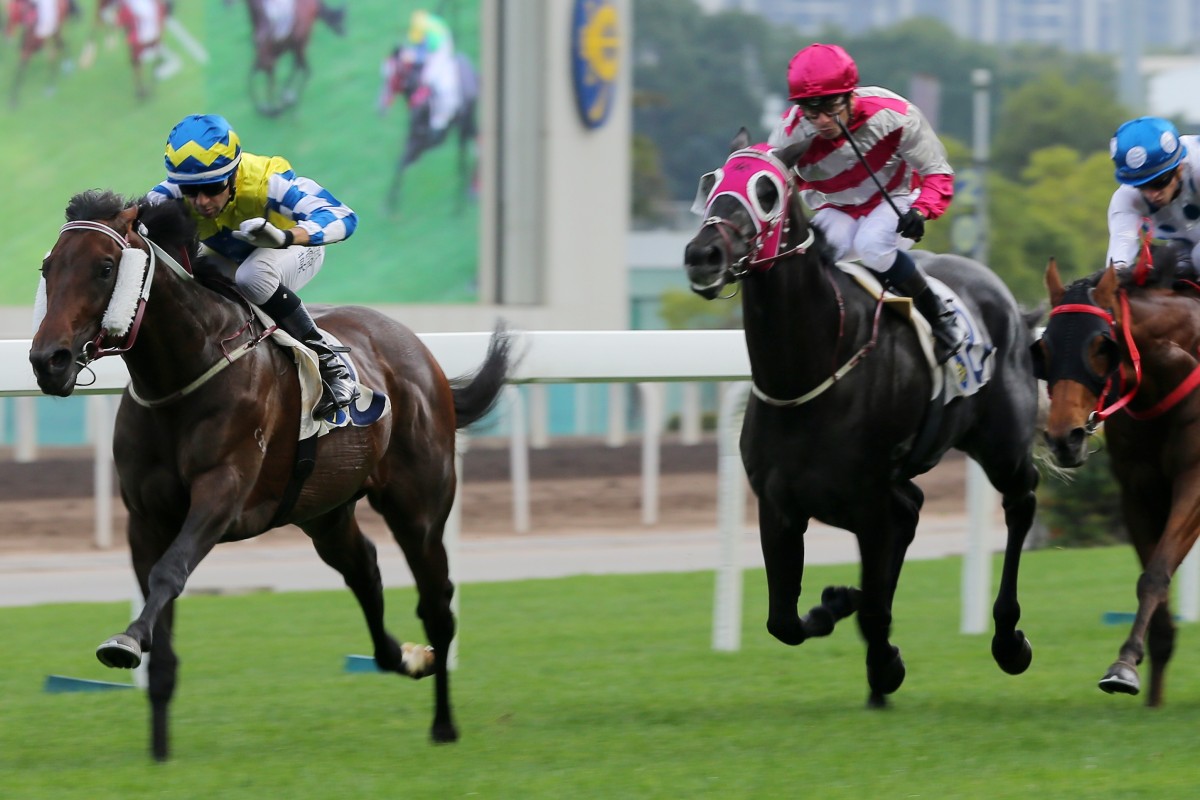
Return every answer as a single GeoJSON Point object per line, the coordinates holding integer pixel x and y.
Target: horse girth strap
{"type": "Point", "coordinates": [204, 377]}
{"type": "Point", "coordinates": [837, 375]}
{"type": "Point", "coordinates": [306, 459]}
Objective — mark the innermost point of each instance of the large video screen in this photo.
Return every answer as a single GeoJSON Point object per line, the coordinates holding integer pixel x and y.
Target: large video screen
{"type": "Point", "coordinates": [385, 117]}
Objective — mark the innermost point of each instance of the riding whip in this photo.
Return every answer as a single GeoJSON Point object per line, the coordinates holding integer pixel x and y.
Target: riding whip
{"type": "Point", "coordinates": [863, 161]}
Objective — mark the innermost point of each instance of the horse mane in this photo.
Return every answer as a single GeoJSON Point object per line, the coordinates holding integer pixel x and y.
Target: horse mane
{"type": "Point", "coordinates": [170, 226]}
{"type": "Point", "coordinates": [96, 204]}
{"type": "Point", "coordinates": [167, 223]}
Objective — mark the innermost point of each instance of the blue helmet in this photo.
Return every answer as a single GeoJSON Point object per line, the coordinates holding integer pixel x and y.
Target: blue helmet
{"type": "Point", "coordinates": [202, 148]}
{"type": "Point", "coordinates": [1145, 148]}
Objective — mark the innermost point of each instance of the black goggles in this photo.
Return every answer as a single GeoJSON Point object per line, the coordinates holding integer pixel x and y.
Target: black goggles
{"type": "Point", "coordinates": [813, 107]}
{"type": "Point", "coordinates": [1161, 182]}
{"type": "Point", "coordinates": [206, 189]}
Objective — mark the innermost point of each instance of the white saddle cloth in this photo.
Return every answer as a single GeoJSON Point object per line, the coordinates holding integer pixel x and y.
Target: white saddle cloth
{"type": "Point", "coordinates": [966, 371]}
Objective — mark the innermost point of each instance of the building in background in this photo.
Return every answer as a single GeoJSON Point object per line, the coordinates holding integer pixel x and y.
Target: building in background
{"type": "Point", "coordinates": [1090, 26]}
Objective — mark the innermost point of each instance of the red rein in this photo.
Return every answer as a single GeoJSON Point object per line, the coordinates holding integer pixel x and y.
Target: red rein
{"type": "Point", "coordinates": [1173, 398]}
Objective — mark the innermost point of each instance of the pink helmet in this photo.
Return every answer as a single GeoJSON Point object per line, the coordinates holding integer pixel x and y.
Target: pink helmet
{"type": "Point", "coordinates": [821, 69]}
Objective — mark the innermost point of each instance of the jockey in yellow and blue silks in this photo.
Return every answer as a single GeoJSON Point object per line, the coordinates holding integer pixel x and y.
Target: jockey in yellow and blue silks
{"type": "Point", "coordinates": [263, 225]}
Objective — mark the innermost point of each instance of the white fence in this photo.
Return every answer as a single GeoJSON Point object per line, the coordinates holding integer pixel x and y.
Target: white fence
{"type": "Point", "coordinates": [644, 357]}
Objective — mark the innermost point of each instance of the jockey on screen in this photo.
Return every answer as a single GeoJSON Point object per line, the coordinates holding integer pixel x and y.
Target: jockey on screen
{"type": "Point", "coordinates": [850, 210]}
{"type": "Point", "coordinates": [264, 226]}
{"type": "Point", "coordinates": [432, 52]}
{"type": "Point", "coordinates": [1158, 171]}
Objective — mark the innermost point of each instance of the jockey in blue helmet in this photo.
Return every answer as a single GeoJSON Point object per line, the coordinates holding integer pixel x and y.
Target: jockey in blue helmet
{"type": "Point", "coordinates": [1157, 169]}
{"type": "Point", "coordinates": [262, 225]}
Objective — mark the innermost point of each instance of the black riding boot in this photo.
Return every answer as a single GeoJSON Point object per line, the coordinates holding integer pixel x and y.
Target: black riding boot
{"type": "Point", "coordinates": [947, 336]}
{"type": "Point", "coordinates": [338, 389]}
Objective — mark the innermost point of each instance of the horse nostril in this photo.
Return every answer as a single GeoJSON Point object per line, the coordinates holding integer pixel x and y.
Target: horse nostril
{"type": "Point", "coordinates": [1076, 438]}
{"type": "Point", "coordinates": [714, 257]}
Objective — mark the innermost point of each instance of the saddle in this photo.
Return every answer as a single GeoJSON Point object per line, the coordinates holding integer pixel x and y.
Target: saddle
{"type": "Point", "coordinates": [370, 406]}
{"type": "Point", "coordinates": [968, 370]}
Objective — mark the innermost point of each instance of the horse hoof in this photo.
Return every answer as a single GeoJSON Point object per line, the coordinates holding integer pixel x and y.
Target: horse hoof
{"type": "Point", "coordinates": [842, 601]}
{"type": "Point", "coordinates": [1013, 659]}
{"type": "Point", "coordinates": [444, 733]}
{"type": "Point", "coordinates": [1121, 679]}
{"type": "Point", "coordinates": [120, 652]}
{"type": "Point", "coordinates": [877, 701]}
{"type": "Point", "coordinates": [417, 661]}
{"type": "Point", "coordinates": [887, 679]}
{"type": "Point", "coordinates": [819, 622]}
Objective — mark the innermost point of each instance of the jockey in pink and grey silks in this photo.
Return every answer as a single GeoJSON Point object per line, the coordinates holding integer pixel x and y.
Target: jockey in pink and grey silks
{"type": "Point", "coordinates": [893, 144]}
{"type": "Point", "coordinates": [899, 145]}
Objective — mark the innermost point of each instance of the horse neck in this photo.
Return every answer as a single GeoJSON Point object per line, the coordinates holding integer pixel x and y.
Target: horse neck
{"type": "Point", "coordinates": [1165, 328]}
{"type": "Point", "coordinates": [794, 324]}
{"type": "Point", "coordinates": [181, 334]}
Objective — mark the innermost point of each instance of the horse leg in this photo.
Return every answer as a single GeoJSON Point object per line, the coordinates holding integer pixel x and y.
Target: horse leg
{"type": "Point", "coordinates": [1011, 650]}
{"type": "Point", "coordinates": [783, 554]}
{"type": "Point", "coordinates": [1146, 509]}
{"type": "Point", "coordinates": [212, 501]}
{"type": "Point", "coordinates": [420, 539]}
{"type": "Point", "coordinates": [412, 151]}
{"type": "Point", "coordinates": [882, 558]}
{"type": "Point", "coordinates": [1161, 643]}
{"type": "Point", "coordinates": [341, 544]}
{"type": "Point", "coordinates": [163, 669]}
{"type": "Point", "coordinates": [18, 77]}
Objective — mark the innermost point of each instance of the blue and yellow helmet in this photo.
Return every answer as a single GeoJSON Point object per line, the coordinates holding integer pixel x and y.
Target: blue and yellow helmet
{"type": "Point", "coordinates": [1145, 148]}
{"type": "Point", "coordinates": [202, 148]}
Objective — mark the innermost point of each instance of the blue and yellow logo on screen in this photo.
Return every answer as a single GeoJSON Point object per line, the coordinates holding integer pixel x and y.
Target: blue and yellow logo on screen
{"type": "Point", "coordinates": [595, 58]}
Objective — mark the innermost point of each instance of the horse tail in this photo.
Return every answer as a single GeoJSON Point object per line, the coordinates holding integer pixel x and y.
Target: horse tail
{"type": "Point", "coordinates": [476, 394]}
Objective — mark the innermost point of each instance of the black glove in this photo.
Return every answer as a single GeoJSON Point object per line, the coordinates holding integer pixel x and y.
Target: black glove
{"type": "Point", "coordinates": [911, 225]}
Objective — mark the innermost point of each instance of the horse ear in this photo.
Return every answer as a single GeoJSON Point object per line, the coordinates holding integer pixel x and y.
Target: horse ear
{"type": "Point", "coordinates": [127, 217]}
{"type": "Point", "coordinates": [791, 154]}
{"type": "Point", "coordinates": [741, 141]}
{"type": "Point", "coordinates": [1106, 287]}
{"type": "Point", "coordinates": [1054, 284]}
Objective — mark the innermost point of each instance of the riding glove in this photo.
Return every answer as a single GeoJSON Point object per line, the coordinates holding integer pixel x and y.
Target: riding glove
{"type": "Point", "coordinates": [261, 233]}
{"type": "Point", "coordinates": [911, 225]}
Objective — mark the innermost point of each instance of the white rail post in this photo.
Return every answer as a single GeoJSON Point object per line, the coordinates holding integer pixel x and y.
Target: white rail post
{"type": "Point", "coordinates": [615, 435]}
{"type": "Point", "coordinates": [518, 457]}
{"type": "Point", "coordinates": [731, 519]}
{"type": "Point", "coordinates": [977, 560]}
{"type": "Point", "coordinates": [539, 417]}
{"type": "Point", "coordinates": [100, 425]}
{"type": "Point", "coordinates": [690, 427]}
{"type": "Point", "coordinates": [652, 414]}
{"type": "Point", "coordinates": [1189, 586]}
{"type": "Point", "coordinates": [25, 429]}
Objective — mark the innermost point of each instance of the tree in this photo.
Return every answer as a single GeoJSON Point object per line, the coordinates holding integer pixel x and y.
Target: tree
{"type": "Point", "coordinates": [699, 79]}
{"type": "Point", "coordinates": [1049, 111]}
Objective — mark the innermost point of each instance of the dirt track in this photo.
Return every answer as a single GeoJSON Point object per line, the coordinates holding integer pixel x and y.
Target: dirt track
{"type": "Point", "coordinates": [581, 487]}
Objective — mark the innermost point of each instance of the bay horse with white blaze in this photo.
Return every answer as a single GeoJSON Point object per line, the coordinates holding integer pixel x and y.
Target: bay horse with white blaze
{"type": "Point", "coordinates": [1129, 356]}
{"type": "Point", "coordinates": [206, 437]}
{"type": "Point", "coordinates": [836, 427]}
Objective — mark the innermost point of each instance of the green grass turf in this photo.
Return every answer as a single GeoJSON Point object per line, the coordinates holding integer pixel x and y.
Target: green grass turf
{"type": "Point", "coordinates": [607, 687]}
{"type": "Point", "coordinates": [92, 132]}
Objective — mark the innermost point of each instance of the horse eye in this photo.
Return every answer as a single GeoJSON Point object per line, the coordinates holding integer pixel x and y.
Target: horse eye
{"type": "Point", "coordinates": [106, 267]}
{"type": "Point", "coordinates": [1103, 355]}
{"type": "Point", "coordinates": [768, 194]}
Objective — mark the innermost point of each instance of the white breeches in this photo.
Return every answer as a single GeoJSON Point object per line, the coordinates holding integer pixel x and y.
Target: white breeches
{"type": "Point", "coordinates": [871, 239]}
